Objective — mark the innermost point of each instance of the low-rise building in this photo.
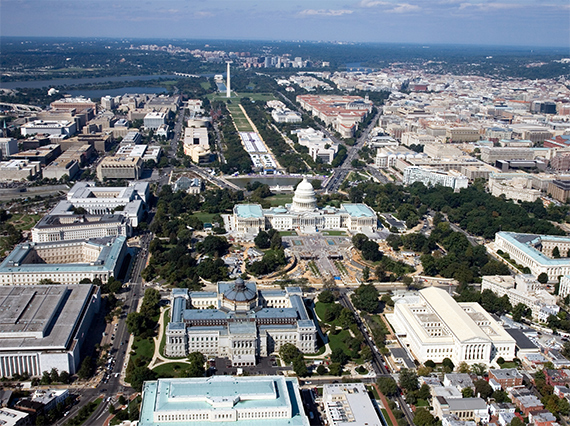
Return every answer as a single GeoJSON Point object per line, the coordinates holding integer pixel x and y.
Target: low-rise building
{"type": "Point", "coordinates": [285, 115]}
{"type": "Point", "coordinates": [535, 252]}
{"type": "Point", "coordinates": [464, 408]}
{"type": "Point", "coordinates": [346, 404]}
{"type": "Point", "coordinates": [65, 262]}
{"type": "Point", "coordinates": [44, 327]}
{"type": "Point", "coordinates": [239, 322]}
{"type": "Point", "coordinates": [506, 377]}
{"type": "Point", "coordinates": [525, 289]}
{"type": "Point", "coordinates": [11, 417]}
{"type": "Point", "coordinates": [58, 169]}
{"type": "Point", "coordinates": [44, 154]}
{"type": "Point", "coordinates": [432, 177]}
{"type": "Point", "coordinates": [19, 170]}
{"type": "Point", "coordinates": [120, 167]}
{"type": "Point", "coordinates": [153, 120]}
{"type": "Point", "coordinates": [241, 401]}
{"type": "Point", "coordinates": [64, 127]}
{"type": "Point", "coordinates": [559, 190]}
{"type": "Point", "coordinates": [8, 146]}
{"type": "Point", "coordinates": [319, 145]}
{"type": "Point", "coordinates": [191, 186]}
{"type": "Point", "coordinates": [75, 227]}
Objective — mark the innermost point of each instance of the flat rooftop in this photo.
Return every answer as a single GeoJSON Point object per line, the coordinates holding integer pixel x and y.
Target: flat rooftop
{"type": "Point", "coordinates": [40, 317]}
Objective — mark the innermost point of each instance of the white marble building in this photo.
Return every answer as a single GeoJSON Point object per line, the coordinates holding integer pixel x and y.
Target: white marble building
{"type": "Point", "coordinates": [238, 322]}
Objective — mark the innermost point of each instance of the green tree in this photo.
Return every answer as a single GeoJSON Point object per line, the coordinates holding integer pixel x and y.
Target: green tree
{"type": "Point", "coordinates": [299, 367]}
{"type": "Point", "coordinates": [542, 278]}
{"type": "Point", "coordinates": [365, 298]}
{"type": "Point", "coordinates": [423, 417]}
{"type": "Point", "coordinates": [338, 356]}
{"type": "Point", "coordinates": [288, 353]}
{"type": "Point", "coordinates": [335, 369]}
{"type": "Point", "coordinates": [408, 380]}
{"type": "Point", "coordinates": [262, 240]}
{"type": "Point", "coordinates": [326, 296]}
{"type": "Point", "coordinates": [516, 422]}
{"type": "Point", "coordinates": [424, 392]}
{"type": "Point", "coordinates": [447, 365]}
{"type": "Point", "coordinates": [483, 388]}
{"type": "Point", "coordinates": [387, 386]}
{"type": "Point", "coordinates": [467, 392]}
{"type": "Point", "coordinates": [196, 368]}
{"type": "Point", "coordinates": [321, 370]}
{"type": "Point", "coordinates": [478, 369]}
{"type": "Point", "coordinates": [556, 252]}
{"type": "Point", "coordinates": [86, 368]}
{"type": "Point", "coordinates": [366, 273]}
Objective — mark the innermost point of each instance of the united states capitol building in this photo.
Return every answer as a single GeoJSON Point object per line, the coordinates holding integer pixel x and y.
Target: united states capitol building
{"type": "Point", "coordinates": [238, 322]}
{"type": "Point", "coordinates": [303, 214]}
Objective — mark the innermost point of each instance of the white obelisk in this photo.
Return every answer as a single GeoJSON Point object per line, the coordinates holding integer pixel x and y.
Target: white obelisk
{"type": "Point", "coordinates": [228, 89]}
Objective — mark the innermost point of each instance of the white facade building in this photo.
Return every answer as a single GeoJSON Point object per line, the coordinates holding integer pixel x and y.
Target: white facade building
{"type": "Point", "coordinates": [76, 227]}
{"type": "Point", "coordinates": [66, 128]}
{"type": "Point", "coordinates": [43, 327]}
{"type": "Point", "coordinates": [224, 400]}
{"type": "Point", "coordinates": [535, 252]}
{"type": "Point", "coordinates": [153, 120]}
{"type": "Point", "coordinates": [432, 177]}
{"type": "Point", "coordinates": [434, 326]}
{"type": "Point", "coordinates": [238, 322]}
{"type": "Point", "coordinates": [302, 214]}
{"type": "Point", "coordinates": [347, 404]}
{"type": "Point", "coordinates": [525, 289]}
{"type": "Point", "coordinates": [129, 201]}
{"type": "Point", "coordinates": [320, 146]}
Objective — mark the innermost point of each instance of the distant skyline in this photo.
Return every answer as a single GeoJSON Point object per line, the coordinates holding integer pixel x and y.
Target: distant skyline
{"type": "Point", "coordinates": [503, 22]}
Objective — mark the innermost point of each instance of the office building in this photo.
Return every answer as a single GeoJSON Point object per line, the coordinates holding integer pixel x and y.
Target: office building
{"type": "Point", "coordinates": [64, 127]}
{"type": "Point", "coordinates": [19, 170]}
{"type": "Point", "coordinates": [285, 115]}
{"type": "Point", "coordinates": [129, 201]}
{"type": "Point", "coordinates": [64, 262]}
{"type": "Point", "coordinates": [75, 227]}
{"type": "Point", "coordinates": [44, 326]}
{"type": "Point", "coordinates": [224, 400]}
{"type": "Point", "coordinates": [462, 408]}
{"type": "Point", "coordinates": [304, 215]}
{"type": "Point", "coordinates": [11, 417]}
{"type": "Point", "coordinates": [434, 326]}
{"type": "Point", "coordinates": [153, 120]}
{"type": "Point", "coordinates": [462, 134]}
{"type": "Point", "coordinates": [518, 187]}
{"type": "Point", "coordinates": [120, 167]}
{"type": "Point", "coordinates": [191, 186]}
{"type": "Point", "coordinates": [342, 113]}
{"type": "Point", "coordinates": [535, 252]}
{"type": "Point", "coordinates": [347, 404]}
{"type": "Point", "coordinates": [8, 146]}
{"type": "Point", "coordinates": [559, 190]}
{"type": "Point", "coordinates": [524, 289]}
{"type": "Point", "coordinates": [319, 145]}
{"type": "Point", "coordinates": [79, 103]}
{"type": "Point", "coordinates": [59, 169]}
{"type": "Point", "coordinates": [44, 154]}
{"type": "Point", "coordinates": [432, 177]}
{"type": "Point", "coordinates": [196, 144]}
{"type": "Point", "coordinates": [238, 322]}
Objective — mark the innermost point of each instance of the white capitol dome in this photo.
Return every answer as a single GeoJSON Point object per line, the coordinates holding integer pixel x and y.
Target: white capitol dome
{"type": "Point", "coordinates": [304, 198]}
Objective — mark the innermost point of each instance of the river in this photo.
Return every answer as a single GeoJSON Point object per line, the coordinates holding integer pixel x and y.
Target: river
{"type": "Point", "coordinates": [38, 84]}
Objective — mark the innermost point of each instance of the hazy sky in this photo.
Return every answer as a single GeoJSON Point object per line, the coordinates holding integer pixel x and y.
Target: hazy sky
{"type": "Point", "coordinates": [503, 22]}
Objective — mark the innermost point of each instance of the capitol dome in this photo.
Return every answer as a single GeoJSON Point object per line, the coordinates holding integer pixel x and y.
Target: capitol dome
{"type": "Point", "coordinates": [304, 198]}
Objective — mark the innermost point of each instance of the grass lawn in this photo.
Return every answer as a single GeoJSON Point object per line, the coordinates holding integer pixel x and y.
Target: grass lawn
{"type": "Point", "coordinates": [205, 85]}
{"type": "Point", "coordinates": [171, 369]}
{"type": "Point", "coordinates": [510, 364]}
{"type": "Point", "coordinates": [336, 341]}
{"type": "Point", "coordinates": [165, 319]}
{"type": "Point", "coordinates": [24, 222]}
{"type": "Point", "coordinates": [257, 96]}
{"type": "Point", "coordinates": [386, 417]}
{"type": "Point", "coordinates": [334, 233]}
{"type": "Point", "coordinates": [205, 217]}
{"type": "Point", "coordinates": [320, 309]}
{"type": "Point", "coordinates": [288, 233]}
{"type": "Point", "coordinates": [280, 200]}
{"type": "Point", "coordinates": [144, 348]}
{"type": "Point", "coordinates": [422, 403]}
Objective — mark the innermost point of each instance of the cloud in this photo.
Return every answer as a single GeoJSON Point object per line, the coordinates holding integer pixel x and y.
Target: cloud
{"type": "Point", "coordinates": [203, 14]}
{"type": "Point", "coordinates": [405, 8]}
{"type": "Point", "coordinates": [392, 7]}
{"type": "Point", "coordinates": [325, 12]}
{"type": "Point", "coordinates": [486, 7]}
